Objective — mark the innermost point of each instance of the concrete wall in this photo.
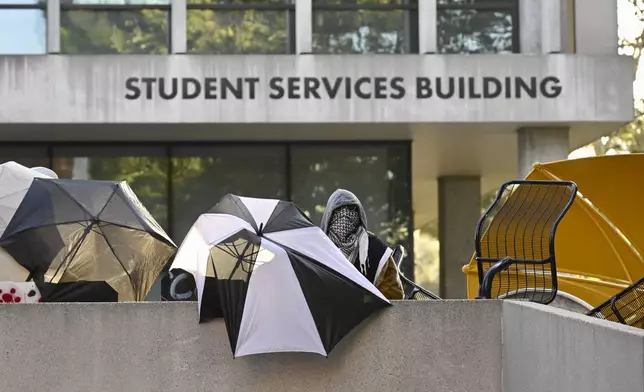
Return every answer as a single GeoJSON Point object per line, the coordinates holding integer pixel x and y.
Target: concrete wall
{"type": "Point", "coordinates": [455, 346]}
{"type": "Point", "coordinates": [159, 347]}
{"type": "Point", "coordinates": [94, 89]}
{"type": "Point", "coordinates": [549, 349]}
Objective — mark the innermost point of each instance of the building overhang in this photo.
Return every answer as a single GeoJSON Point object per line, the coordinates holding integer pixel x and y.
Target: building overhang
{"type": "Point", "coordinates": [258, 89]}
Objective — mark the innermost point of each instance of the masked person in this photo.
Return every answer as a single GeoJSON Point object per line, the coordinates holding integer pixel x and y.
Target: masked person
{"type": "Point", "coordinates": [345, 223]}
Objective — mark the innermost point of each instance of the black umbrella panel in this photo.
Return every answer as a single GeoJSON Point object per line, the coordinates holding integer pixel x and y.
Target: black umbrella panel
{"type": "Point", "coordinates": [87, 241]}
{"type": "Point", "coordinates": [277, 280]}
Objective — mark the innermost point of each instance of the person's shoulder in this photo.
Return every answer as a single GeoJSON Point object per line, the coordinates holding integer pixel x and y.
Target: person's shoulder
{"type": "Point", "coordinates": [375, 241]}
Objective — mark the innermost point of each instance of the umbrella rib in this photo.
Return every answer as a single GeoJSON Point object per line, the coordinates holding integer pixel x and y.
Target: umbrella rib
{"type": "Point", "coordinates": [143, 224]}
{"type": "Point", "coordinates": [239, 260]}
{"type": "Point", "coordinates": [72, 254]}
{"type": "Point", "coordinates": [117, 259]}
{"type": "Point", "coordinates": [45, 225]}
{"type": "Point", "coordinates": [13, 193]}
{"type": "Point", "coordinates": [72, 198]}
{"type": "Point", "coordinates": [98, 216]}
{"type": "Point", "coordinates": [143, 230]}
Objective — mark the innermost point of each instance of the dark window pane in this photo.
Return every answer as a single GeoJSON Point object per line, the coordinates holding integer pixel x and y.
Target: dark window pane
{"type": "Point", "coordinates": [472, 31]}
{"type": "Point", "coordinates": [108, 32]}
{"type": "Point", "coordinates": [237, 32]}
{"type": "Point", "coordinates": [24, 2]}
{"type": "Point", "coordinates": [378, 175]}
{"type": "Point", "coordinates": [243, 2]}
{"type": "Point", "coordinates": [202, 175]}
{"type": "Point", "coordinates": [144, 169]}
{"type": "Point", "coordinates": [364, 2]}
{"type": "Point", "coordinates": [489, 3]}
{"type": "Point", "coordinates": [22, 31]}
{"type": "Point", "coordinates": [117, 2]}
{"type": "Point", "coordinates": [26, 156]}
{"type": "Point", "coordinates": [360, 31]}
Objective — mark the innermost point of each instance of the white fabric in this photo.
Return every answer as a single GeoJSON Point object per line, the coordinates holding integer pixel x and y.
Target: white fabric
{"type": "Point", "coordinates": [276, 315]}
{"type": "Point", "coordinates": [383, 260]}
{"type": "Point", "coordinates": [15, 181]}
{"type": "Point", "coordinates": [45, 171]}
{"type": "Point", "coordinates": [312, 242]}
{"type": "Point", "coordinates": [18, 292]}
{"type": "Point", "coordinates": [208, 230]}
{"type": "Point", "coordinates": [260, 209]}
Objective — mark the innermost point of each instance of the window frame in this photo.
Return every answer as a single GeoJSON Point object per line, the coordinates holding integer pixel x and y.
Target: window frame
{"type": "Point", "coordinates": [510, 6]}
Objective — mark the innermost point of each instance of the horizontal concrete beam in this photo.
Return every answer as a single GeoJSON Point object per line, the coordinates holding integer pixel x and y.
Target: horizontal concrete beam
{"type": "Point", "coordinates": [313, 89]}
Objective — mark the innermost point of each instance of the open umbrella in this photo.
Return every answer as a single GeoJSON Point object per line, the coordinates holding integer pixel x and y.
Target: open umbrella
{"type": "Point", "coordinates": [277, 280]}
{"type": "Point", "coordinates": [86, 240]}
{"type": "Point", "coordinates": [600, 242]}
{"type": "Point", "coordinates": [15, 180]}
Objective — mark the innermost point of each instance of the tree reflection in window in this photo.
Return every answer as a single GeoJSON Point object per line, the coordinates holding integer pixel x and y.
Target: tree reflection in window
{"type": "Point", "coordinates": [202, 175]}
{"type": "Point", "coordinates": [366, 26]}
{"type": "Point", "coordinates": [477, 26]}
{"type": "Point", "coordinates": [114, 26]}
{"type": "Point", "coordinates": [241, 27]}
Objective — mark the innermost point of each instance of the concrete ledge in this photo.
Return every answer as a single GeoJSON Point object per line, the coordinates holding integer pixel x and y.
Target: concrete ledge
{"type": "Point", "coordinates": [128, 347]}
{"type": "Point", "coordinates": [455, 346]}
{"type": "Point", "coordinates": [549, 349]}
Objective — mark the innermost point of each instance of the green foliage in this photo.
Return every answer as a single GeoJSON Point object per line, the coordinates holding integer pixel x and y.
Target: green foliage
{"type": "Point", "coordinates": [628, 139]}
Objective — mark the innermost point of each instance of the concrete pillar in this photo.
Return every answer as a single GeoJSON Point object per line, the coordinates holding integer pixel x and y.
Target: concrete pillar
{"type": "Point", "coordinates": [53, 26]}
{"type": "Point", "coordinates": [542, 145]}
{"type": "Point", "coordinates": [530, 26]}
{"type": "Point", "coordinates": [303, 26]}
{"type": "Point", "coordinates": [595, 23]}
{"type": "Point", "coordinates": [178, 29]}
{"type": "Point", "coordinates": [459, 208]}
{"type": "Point", "coordinates": [546, 26]}
{"type": "Point", "coordinates": [427, 27]}
{"type": "Point", "coordinates": [556, 27]}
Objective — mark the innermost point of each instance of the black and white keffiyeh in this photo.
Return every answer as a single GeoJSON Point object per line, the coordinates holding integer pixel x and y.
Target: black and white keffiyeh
{"type": "Point", "coordinates": [349, 235]}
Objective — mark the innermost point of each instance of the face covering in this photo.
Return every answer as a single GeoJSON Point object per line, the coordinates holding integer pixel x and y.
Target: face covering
{"type": "Point", "coordinates": [348, 234]}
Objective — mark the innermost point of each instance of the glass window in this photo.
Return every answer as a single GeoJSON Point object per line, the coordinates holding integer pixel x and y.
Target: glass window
{"type": "Point", "coordinates": [379, 175]}
{"type": "Point", "coordinates": [240, 27]}
{"type": "Point", "coordinates": [145, 169]}
{"type": "Point", "coordinates": [202, 175]}
{"type": "Point", "coordinates": [372, 26]}
{"type": "Point", "coordinates": [113, 26]}
{"type": "Point", "coordinates": [477, 26]}
{"type": "Point", "coordinates": [23, 27]}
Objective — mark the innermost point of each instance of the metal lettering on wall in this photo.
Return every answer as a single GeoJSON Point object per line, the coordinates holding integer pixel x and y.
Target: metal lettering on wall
{"type": "Point", "coordinates": [343, 87]}
{"type": "Point", "coordinates": [259, 89]}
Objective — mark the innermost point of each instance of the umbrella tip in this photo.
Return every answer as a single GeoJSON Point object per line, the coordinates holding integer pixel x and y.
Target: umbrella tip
{"type": "Point", "coordinates": [537, 165]}
{"type": "Point", "coordinates": [261, 229]}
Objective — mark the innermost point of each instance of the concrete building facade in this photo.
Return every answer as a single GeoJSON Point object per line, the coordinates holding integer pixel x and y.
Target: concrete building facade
{"type": "Point", "coordinates": [418, 106]}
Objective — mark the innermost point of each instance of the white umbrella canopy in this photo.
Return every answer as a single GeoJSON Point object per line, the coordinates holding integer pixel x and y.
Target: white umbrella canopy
{"type": "Point", "coordinates": [15, 181]}
{"type": "Point", "coordinates": [278, 281]}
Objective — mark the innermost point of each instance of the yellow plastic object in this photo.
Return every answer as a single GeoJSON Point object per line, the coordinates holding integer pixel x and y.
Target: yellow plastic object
{"type": "Point", "coordinates": [600, 240]}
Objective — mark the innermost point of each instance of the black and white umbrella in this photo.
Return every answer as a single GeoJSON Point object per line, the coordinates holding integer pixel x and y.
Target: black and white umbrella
{"type": "Point", "coordinates": [277, 280]}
